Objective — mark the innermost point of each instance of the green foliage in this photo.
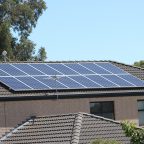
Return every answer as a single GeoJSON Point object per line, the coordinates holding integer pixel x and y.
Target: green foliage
{"type": "Point", "coordinates": [136, 134]}
{"type": "Point", "coordinates": [139, 64]}
{"type": "Point", "coordinates": [42, 54]}
{"type": "Point", "coordinates": [24, 50]}
{"type": "Point", "coordinates": [5, 40]}
{"type": "Point", "coordinates": [102, 141]}
{"type": "Point", "coordinates": [19, 16]}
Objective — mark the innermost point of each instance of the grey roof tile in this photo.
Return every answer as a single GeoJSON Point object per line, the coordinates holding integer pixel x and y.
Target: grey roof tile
{"type": "Point", "coordinates": [79, 128]}
{"type": "Point", "coordinates": [94, 127]}
{"type": "Point", "coordinates": [4, 130]}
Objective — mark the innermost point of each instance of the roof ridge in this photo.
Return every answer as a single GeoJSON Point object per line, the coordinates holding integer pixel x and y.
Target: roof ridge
{"type": "Point", "coordinates": [62, 61]}
{"type": "Point", "coordinates": [56, 115]}
{"type": "Point", "coordinates": [102, 118]}
{"type": "Point", "coordinates": [56, 61]}
{"type": "Point", "coordinates": [77, 128]}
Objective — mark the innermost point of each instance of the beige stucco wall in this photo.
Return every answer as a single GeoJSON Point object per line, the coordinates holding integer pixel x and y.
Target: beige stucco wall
{"type": "Point", "coordinates": [18, 111]}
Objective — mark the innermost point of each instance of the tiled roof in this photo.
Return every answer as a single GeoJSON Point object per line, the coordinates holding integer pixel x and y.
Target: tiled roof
{"type": "Point", "coordinates": [4, 130]}
{"type": "Point", "coordinates": [94, 127]}
{"type": "Point", "coordinates": [138, 72]}
{"type": "Point", "coordinates": [79, 128]}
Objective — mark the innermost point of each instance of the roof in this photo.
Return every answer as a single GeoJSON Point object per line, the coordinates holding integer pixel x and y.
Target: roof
{"type": "Point", "coordinates": [136, 71]}
{"type": "Point", "coordinates": [78, 128]}
{"type": "Point", "coordinates": [4, 130]}
{"type": "Point", "coordinates": [6, 93]}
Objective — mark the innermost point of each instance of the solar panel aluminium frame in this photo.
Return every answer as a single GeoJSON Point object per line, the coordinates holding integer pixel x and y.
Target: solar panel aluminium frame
{"type": "Point", "coordinates": [80, 65]}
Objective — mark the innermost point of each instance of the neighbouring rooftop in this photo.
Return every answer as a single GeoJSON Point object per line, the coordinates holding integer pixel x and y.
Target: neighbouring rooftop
{"type": "Point", "coordinates": [77, 128]}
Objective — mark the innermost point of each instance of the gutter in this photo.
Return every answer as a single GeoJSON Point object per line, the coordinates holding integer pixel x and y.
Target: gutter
{"type": "Point", "coordinates": [72, 95]}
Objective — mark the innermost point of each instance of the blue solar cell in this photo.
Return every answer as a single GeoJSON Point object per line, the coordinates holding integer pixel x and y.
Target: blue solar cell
{"type": "Point", "coordinates": [84, 81]}
{"type": "Point", "coordinates": [33, 83]}
{"type": "Point", "coordinates": [13, 83]}
{"type": "Point", "coordinates": [80, 69]}
{"type": "Point", "coordinates": [133, 80]}
{"type": "Point", "coordinates": [11, 70]}
{"type": "Point", "coordinates": [65, 76]}
{"type": "Point", "coordinates": [97, 69]}
{"type": "Point", "coordinates": [70, 83]}
{"type": "Point", "coordinates": [46, 69]}
{"type": "Point", "coordinates": [51, 82]}
{"type": "Point", "coordinates": [101, 81]}
{"type": "Point", "coordinates": [3, 73]}
{"type": "Point", "coordinates": [118, 80]}
{"type": "Point", "coordinates": [63, 69]}
{"type": "Point", "coordinates": [28, 69]}
{"type": "Point", "coordinates": [113, 69]}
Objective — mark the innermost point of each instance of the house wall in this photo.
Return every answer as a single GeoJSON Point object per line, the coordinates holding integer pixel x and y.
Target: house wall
{"type": "Point", "coordinates": [14, 112]}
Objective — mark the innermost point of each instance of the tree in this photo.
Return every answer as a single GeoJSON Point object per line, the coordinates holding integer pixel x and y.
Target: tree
{"type": "Point", "coordinates": [136, 134]}
{"type": "Point", "coordinates": [139, 64]}
{"type": "Point", "coordinates": [24, 50]}
{"type": "Point", "coordinates": [42, 54]}
{"type": "Point", "coordinates": [18, 16]}
{"type": "Point", "coordinates": [21, 15]}
{"type": "Point", "coordinates": [102, 141]}
{"type": "Point", "coordinates": [5, 40]}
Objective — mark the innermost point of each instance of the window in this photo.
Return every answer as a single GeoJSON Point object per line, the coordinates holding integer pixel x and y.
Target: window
{"type": "Point", "coordinates": [104, 109]}
{"type": "Point", "coordinates": [141, 112]}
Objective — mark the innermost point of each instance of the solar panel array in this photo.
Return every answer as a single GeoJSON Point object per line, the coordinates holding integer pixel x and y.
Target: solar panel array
{"type": "Point", "coordinates": [51, 76]}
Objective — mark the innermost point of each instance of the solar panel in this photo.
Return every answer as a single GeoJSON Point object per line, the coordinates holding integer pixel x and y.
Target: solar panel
{"type": "Point", "coordinates": [101, 80]}
{"type": "Point", "coordinates": [133, 80]}
{"type": "Point", "coordinates": [2, 73]}
{"type": "Point", "coordinates": [79, 68]}
{"type": "Point", "coordinates": [33, 83]}
{"type": "Point", "coordinates": [45, 69]}
{"type": "Point", "coordinates": [11, 70]}
{"type": "Point", "coordinates": [111, 68]}
{"type": "Point", "coordinates": [28, 69]}
{"type": "Point", "coordinates": [86, 82]}
{"type": "Point", "coordinates": [70, 82]}
{"type": "Point", "coordinates": [14, 83]}
{"type": "Point", "coordinates": [52, 76]}
{"type": "Point", "coordinates": [117, 80]}
{"type": "Point", "coordinates": [95, 68]}
{"type": "Point", "coordinates": [51, 81]}
{"type": "Point", "coordinates": [63, 69]}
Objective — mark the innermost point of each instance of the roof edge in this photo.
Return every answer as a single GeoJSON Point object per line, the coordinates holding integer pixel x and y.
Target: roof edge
{"type": "Point", "coordinates": [102, 118]}
{"type": "Point", "coordinates": [111, 61]}
{"type": "Point", "coordinates": [57, 61]}
{"type": "Point", "coordinates": [14, 129]}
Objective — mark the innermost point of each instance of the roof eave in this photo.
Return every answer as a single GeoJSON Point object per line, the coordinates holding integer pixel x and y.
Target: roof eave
{"type": "Point", "coordinates": [74, 95]}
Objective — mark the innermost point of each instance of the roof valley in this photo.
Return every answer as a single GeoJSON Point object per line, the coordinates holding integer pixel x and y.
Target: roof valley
{"type": "Point", "coordinates": [77, 128]}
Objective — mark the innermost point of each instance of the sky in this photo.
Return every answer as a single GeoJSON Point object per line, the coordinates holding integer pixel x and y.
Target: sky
{"type": "Point", "coordinates": [92, 30]}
